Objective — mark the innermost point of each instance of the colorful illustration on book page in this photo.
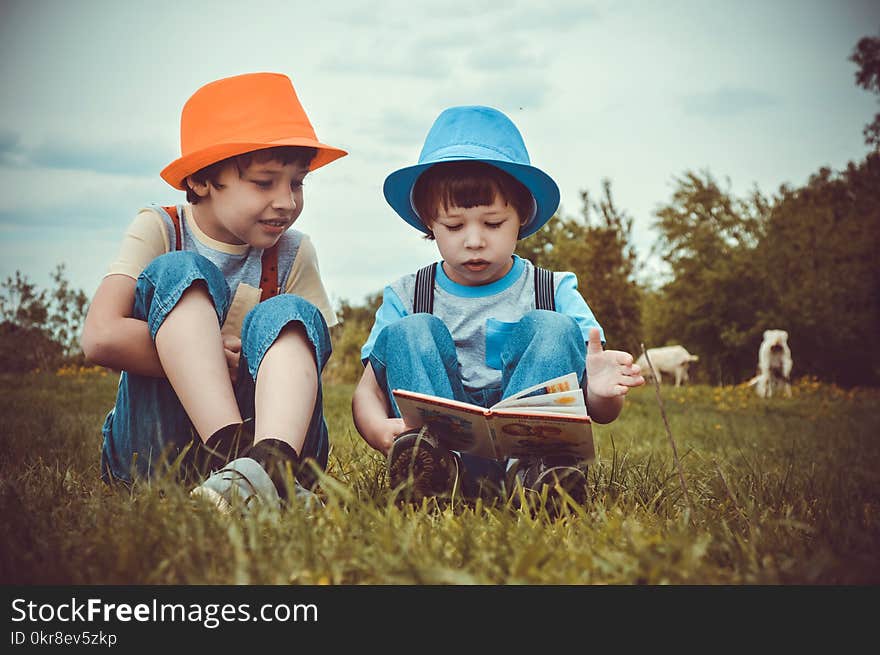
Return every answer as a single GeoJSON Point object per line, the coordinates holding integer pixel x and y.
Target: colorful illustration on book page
{"type": "Point", "coordinates": [456, 432]}
{"type": "Point", "coordinates": [538, 439]}
{"type": "Point", "coordinates": [558, 387]}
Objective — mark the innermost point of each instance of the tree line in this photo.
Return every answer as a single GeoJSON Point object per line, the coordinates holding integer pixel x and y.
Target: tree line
{"type": "Point", "coordinates": [40, 328]}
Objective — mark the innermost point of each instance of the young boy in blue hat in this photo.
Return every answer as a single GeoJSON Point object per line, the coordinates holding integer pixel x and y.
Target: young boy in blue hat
{"type": "Point", "coordinates": [477, 326]}
{"type": "Point", "coordinates": [205, 295]}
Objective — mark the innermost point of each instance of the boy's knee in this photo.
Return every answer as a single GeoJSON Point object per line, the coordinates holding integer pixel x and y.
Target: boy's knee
{"type": "Point", "coordinates": [277, 312]}
{"type": "Point", "coordinates": [181, 264]}
{"type": "Point", "coordinates": [549, 325]}
{"type": "Point", "coordinates": [546, 335]}
{"type": "Point", "coordinates": [290, 305]}
{"type": "Point", "coordinates": [415, 333]}
{"type": "Point", "coordinates": [420, 323]}
{"type": "Point", "coordinates": [166, 273]}
{"type": "Point", "coordinates": [269, 319]}
{"type": "Point", "coordinates": [168, 277]}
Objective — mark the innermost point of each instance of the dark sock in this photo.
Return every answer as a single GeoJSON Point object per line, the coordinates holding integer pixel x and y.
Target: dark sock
{"type": "Point", "coordinates": [280, 461]}
{"type": "Point", "coordinates": [224, 445]}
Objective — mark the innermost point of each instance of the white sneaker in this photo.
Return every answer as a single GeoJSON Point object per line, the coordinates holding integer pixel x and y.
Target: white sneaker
{"type": "Point", "coordinates": [240, 485]}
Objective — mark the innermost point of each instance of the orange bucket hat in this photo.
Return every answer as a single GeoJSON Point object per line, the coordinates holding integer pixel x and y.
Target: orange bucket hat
{"type": "Point", "coordinates": [241, 114]}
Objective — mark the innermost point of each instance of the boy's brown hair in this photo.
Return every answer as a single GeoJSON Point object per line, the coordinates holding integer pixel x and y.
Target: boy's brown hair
{"type": "Point", "coordinates": [468, 184]}
{"type": "Point", "coordinates": [281, 154]}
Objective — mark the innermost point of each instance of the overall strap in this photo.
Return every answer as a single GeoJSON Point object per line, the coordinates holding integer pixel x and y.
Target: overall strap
{"type": "Point", "coordinates": [269, 273]}
{"type": "Point", "coordinates": [423, 298]}
{"type": "Point", "coordinates": [172, 212]}
{"type": "Point", "coordinates": [269, 283]}
{"type": "Point", "coordinates": [544, 296]}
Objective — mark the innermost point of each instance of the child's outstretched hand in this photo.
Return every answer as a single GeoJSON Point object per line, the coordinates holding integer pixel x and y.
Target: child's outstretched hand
{"type": "Point", "coordinates": [610, 373]}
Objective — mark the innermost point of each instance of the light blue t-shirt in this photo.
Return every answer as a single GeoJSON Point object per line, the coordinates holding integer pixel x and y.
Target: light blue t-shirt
{"type": "Point", "coordinates": [480, 318]}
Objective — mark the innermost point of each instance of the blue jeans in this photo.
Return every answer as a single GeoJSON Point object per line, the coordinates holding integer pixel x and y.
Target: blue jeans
{"type": "Point", "coordinates": [148, 426]}
{"type": "Point", "coordinates": [417, 353]}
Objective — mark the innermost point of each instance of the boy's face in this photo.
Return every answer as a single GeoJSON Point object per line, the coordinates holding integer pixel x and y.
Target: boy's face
{"type": "Point", "coordinates": [477, 243]}
{"type": "Point", "coordinates": [255, 207]}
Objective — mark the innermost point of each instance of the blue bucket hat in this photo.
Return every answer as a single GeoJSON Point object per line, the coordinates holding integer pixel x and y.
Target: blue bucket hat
{"type": "Point", "coordinates": [475, 133]}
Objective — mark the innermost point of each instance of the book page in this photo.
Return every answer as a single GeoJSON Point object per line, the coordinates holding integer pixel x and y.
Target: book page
{"type": "Point", "coordinates": [568, 382]}
{"type": "Point", "coordinates": [456, 425]}
{"type": "Point", "coordinates": [564, 402]}
{"type": "Point", "coordinates": [519, 434]}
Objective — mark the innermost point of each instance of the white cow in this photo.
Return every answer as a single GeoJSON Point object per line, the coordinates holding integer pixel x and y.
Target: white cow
{"type": "Point", "coordinates": [774, 364]}
{"type": "Point", "coordinates": [673, 360]}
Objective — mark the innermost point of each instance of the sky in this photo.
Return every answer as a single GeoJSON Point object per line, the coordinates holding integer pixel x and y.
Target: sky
{"type": "Point", "coordinates": [758, 93]}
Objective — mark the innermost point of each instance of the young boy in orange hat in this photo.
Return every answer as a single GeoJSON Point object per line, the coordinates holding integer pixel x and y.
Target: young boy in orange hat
{"type": "Point", "coordinates": [482, 324]}
{"type": "Point", "coordinates": [214, 309]}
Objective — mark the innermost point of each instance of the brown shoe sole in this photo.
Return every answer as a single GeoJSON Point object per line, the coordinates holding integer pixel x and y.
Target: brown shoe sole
{"type": "Point", "coordinates": [422, 468]}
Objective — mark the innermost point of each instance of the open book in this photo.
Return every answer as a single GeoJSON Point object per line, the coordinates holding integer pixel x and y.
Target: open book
{"type": "Point", "coordinates": [547, 419]}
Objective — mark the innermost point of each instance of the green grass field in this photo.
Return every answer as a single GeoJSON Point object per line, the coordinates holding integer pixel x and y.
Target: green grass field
{"type": "Point", "coordinates": [785, 491]}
